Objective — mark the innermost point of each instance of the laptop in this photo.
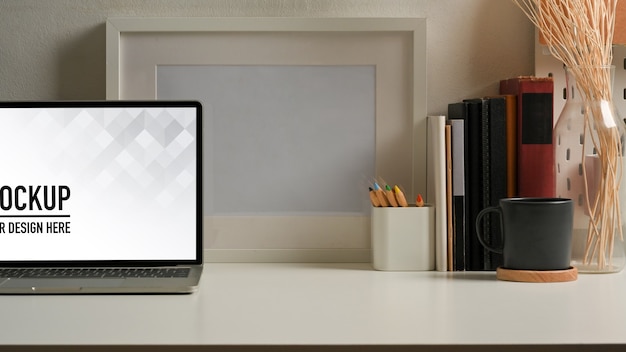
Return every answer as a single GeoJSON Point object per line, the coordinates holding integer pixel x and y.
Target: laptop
{"type": "Point", "coordinates": [100, 197]}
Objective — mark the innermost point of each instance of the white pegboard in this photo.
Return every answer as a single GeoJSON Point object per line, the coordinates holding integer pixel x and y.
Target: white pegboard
{"type": "Point", "coordinates": [546, 64]}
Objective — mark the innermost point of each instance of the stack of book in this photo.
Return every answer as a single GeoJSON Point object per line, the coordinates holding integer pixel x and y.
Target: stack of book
{"type": "Point", "coordinates": [497, 147]}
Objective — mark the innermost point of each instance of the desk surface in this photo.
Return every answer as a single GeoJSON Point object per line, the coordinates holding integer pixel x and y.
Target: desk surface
{"type": "Point", "coordinates": [330, 304]}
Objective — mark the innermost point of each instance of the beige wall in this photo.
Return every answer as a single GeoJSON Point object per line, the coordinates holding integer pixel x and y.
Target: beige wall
{"type": "Point", "coordinates": [55, 49]}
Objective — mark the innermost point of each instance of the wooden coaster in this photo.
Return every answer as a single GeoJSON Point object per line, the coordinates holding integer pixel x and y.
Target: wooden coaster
{"type": "Point", "coordinates": [570, 274]}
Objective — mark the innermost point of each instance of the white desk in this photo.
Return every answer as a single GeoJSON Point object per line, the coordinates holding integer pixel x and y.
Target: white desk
{"type": "Point", "coordinates": [331, 304]}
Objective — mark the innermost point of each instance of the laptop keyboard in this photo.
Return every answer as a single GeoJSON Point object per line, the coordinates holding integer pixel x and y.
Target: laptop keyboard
{"type": "Point", "coordinates": [94, 272]}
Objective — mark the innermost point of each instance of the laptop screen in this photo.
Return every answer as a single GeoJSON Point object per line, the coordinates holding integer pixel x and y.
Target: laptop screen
{"type": "Point", "coordinates": [93, 182]}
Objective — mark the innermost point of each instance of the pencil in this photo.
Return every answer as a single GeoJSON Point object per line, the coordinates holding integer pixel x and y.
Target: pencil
{"type": "Point", "coordinates": [400, 197]}
{"type": "Point", "coordinates": [382, 199]}
{"type": "Point", "coordinates": [374, 198]}
{"type": "Point", "coordinates": [390, 196]}
{"type": "Point", "coordinates": [419, 201]}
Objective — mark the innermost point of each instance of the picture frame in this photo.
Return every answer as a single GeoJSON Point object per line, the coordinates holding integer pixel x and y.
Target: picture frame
{"type": "Point", "coordinates": [394, 47]}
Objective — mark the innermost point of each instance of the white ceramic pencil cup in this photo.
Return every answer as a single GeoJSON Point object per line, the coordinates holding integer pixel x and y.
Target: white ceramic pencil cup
{"type": "Point", "coordinates": [403, 238]}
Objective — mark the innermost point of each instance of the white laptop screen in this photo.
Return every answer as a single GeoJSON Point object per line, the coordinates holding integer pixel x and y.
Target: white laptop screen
{"type": "Point", "coordinates": [100, 181]}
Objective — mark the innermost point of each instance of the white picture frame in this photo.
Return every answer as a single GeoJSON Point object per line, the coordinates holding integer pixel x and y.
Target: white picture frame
{"type": "Point", "coordinates": [396, 47]}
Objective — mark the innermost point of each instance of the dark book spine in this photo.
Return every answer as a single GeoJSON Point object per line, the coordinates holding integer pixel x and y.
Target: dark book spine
{"type": "Point", "coordinates": [485, 178]}
{"type": "Point", "coordinates": [458, 210]}
{"type": "Point", "coordinates": [497, 172]}
{"type": "Point", "coordinates": [473, 183]}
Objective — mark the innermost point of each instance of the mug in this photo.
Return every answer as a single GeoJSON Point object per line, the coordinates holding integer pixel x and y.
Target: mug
{"type": "Point", "coordinates": [536, 232]}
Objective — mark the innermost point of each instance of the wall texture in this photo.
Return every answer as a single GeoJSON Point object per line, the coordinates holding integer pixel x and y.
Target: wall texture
{"type": "Point", "coordinates": [55, 49]}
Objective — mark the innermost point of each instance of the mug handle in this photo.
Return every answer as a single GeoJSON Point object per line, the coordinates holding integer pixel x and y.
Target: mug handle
{"type": "Point", "coordinates": [479, 232]}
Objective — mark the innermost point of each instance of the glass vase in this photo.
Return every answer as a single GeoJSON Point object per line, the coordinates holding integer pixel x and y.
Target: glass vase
{"type": "Point", "coordinates": [588, 144]}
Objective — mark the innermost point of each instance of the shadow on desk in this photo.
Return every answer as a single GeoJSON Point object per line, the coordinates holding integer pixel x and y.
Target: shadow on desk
{"type": "Point", "coordinates": [455, 275]}
{"type": "Point", "coordinates": [472, 275]}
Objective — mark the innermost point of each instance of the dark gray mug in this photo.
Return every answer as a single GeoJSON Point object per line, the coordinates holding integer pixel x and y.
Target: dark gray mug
{"type": "Point", "coordinates": [536, 232]}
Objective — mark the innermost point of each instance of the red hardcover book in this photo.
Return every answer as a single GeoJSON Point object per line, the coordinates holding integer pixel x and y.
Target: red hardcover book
{"type": "Point", "coordinates": [535, 151]}
{"type": "Point", "coordinates": [511, 145]}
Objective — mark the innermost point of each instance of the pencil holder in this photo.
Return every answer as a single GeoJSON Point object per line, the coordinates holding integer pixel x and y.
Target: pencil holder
{"type": "Point", "coordinates": [403, 238]}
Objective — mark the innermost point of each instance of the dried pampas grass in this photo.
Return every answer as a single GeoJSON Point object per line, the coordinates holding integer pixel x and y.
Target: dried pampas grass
{"type": "Point", "coordinates": [579, 33]}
